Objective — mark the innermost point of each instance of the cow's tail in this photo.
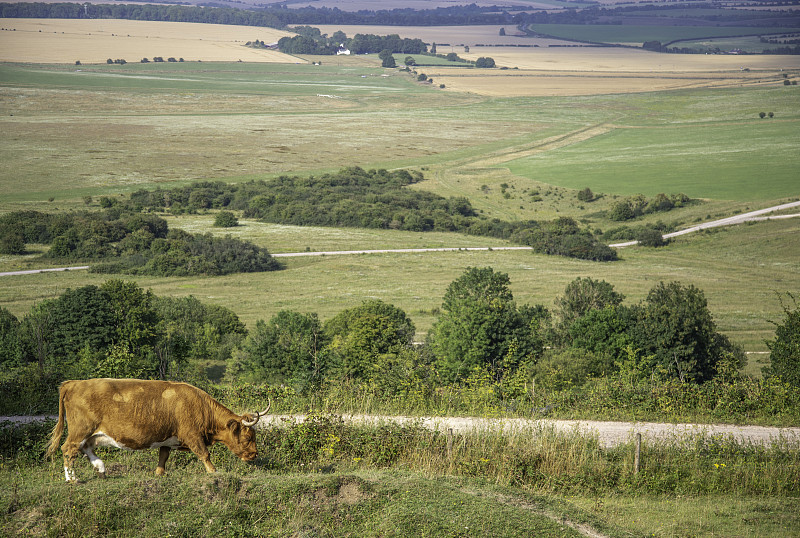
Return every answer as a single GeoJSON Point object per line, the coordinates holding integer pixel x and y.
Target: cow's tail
{"type": "Point", "coordinates": [58, 429]}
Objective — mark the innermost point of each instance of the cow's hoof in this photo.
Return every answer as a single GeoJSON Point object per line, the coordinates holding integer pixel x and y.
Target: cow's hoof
{"type": "Point", "coordinates": [160, 472]}
{"type": "Point", "coordinates": [102, 475]}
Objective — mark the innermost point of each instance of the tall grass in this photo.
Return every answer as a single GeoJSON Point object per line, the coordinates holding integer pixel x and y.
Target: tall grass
{"type": "Point", "coordinates": [538, 458]}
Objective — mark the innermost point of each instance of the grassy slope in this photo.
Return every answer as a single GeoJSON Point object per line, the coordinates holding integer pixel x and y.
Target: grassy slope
{"type": "Point", "coordinates": [234, 121]}
{"type": "Point", "coordinates": [348, 499]}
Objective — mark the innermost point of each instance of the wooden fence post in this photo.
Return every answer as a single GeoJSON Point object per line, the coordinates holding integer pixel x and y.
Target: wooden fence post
{"type": "Point", "coordinates": [450, 443]}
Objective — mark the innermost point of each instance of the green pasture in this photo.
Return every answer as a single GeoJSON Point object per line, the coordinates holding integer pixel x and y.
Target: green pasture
{"type": "Point", "coordinates": [739, 269]}
{"type": "Point", "coordinates": [748, 161]}
{"type": "Point", "coordinates": [248, 78]}
{"type": "Point", "coordinates": [751, 44]}
{"type": "Point", "coordinates": [623, 33]}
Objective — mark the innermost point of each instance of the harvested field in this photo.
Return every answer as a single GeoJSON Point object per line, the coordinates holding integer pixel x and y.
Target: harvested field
{"type": "Point", "coordinates": [529, 82]}
{"type": "Point", "coordinates": [549, 69]}
{"type": "Point", "coordinates": [94, 41]}
{"type": "Point", "coordinates": [614, 59]}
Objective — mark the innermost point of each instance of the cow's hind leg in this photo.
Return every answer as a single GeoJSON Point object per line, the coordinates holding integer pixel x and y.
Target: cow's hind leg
{"type": "Point", "coordinates": [88, 449]}
{"type": "Point", "coordinates": [70, 450]}
{"type": "Point", "coordinates": [163, 454]}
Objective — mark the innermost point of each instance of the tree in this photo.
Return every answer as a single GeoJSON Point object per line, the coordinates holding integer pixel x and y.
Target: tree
{"type": "Point", "coordinates": [583, 295]}
{"type": "Point", "coordinates": [12, 242]}
{"type": "Point", "coordinates": [502, 31]}
{"type": "Point", "coordinates": [484, 62]}
{"type": "Point", "coordinates": [676, 329]}
{"type": "Point", "coordinates": [621, 210]}
{"type": "Point", "coordinates": [358, 336]}
{"type": "Point", "coordinates": [409, 61]}
{"type": "Point", "coordinates": [10, 351]}
{"type": "Point", "coordinates": [286, 349]}
{"type": "Point", "coordinates": [387, 59]}
{"type": "Point", "coordinates": [481, 326]}
{"type": "Point", "coordinates": [650, 237]}
{"type": "Point", "coordinates": [784, 357]}
{"type": "Point", "coordinates": [762, 115]}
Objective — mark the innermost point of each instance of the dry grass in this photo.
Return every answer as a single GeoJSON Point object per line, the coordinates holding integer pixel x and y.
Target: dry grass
{"type": "Point", "coordinates": [94, 41]}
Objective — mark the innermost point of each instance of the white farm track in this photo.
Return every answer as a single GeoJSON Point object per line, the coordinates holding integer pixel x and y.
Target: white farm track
{"type": "Point", "coordinates": [609, 434]}
{"type": "Point", "coordinates": [729, 221]}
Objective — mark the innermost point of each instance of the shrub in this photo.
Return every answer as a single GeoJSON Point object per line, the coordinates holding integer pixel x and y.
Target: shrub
{"type": "Point", "coordinates": [585, 195]}
{"type": "Point", "coordinates": [650, 237]}
{"type": "Point", "coordinates": [225, 219]}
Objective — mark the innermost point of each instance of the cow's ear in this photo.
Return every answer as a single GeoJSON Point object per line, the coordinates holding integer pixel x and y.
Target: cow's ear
{"type": "Point", "coordinates": [234, 425]}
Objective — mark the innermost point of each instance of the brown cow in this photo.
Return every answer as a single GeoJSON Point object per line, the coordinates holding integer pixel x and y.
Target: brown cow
{"type": "Point", "coordinates": [136, 415]}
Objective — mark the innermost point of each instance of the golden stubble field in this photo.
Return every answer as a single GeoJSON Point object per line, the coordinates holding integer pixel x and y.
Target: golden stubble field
{"type": "Point", "coordinates": [548, 70]}
{"type": "Point", "coordinates": [96, 40]}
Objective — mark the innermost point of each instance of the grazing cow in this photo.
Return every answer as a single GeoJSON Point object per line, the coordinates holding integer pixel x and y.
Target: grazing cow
{"type": "Point", "coordinates": [136, 415]}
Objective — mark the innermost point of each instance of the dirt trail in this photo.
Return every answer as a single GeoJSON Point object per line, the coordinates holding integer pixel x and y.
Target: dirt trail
{"type": "Point", "coordinates": [608, 433]}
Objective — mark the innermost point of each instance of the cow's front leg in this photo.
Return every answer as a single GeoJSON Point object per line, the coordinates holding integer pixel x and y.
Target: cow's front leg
{"type": "Point", "coordinates": [200, 448]}
{"type": "Point", "coordinates": [163, 454]}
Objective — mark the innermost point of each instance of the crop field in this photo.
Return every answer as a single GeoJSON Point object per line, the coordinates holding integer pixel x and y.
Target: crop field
{"type": "Point", "coordinates": [94, 41]}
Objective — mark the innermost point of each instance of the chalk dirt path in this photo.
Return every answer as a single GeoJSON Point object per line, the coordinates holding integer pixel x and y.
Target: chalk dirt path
{"type": "Point", "coordinates": [608, 433]}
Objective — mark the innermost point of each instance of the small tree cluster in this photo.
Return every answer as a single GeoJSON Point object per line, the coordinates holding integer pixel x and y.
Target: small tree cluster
{"type": "Point", "coordinates": [387, 59]}
{"type": "Point", "coordinates": [638, 205]}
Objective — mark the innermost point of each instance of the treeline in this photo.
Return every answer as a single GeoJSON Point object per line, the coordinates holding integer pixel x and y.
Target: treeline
{"type": "Point", "coordinates": [274, 17]}
{"type": "Point", "coordinates": [354, 197]}
{"type": "Point", "coordinates": [311, 41]}
{"type": "Point", "coordinates": [282, 17]}
{"type": "Point", "coordinates": [483, 349]}
{"type": "Point", "coordinates": [124, 241]}
{"type": "Point", "coordinates": [113, 330]}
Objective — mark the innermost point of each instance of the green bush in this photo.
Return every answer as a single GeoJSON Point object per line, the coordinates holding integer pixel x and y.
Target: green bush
{"type": "Point", "coordinates": [225, 219]}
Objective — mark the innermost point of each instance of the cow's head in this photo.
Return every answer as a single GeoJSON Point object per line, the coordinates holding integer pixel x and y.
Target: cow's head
{"type": "Point", "coordinates": [242, 435]}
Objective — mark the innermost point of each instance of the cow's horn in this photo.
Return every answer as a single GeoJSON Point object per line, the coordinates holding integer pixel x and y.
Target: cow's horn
{"type": "Point", "coordinates": [258, 416]}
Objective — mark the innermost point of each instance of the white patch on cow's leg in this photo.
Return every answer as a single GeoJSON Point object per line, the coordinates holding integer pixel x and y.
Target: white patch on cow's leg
{"type": "Point", "coordinates": [96, 462]}
{"type": "Point", "coordinates": [69, 474]}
